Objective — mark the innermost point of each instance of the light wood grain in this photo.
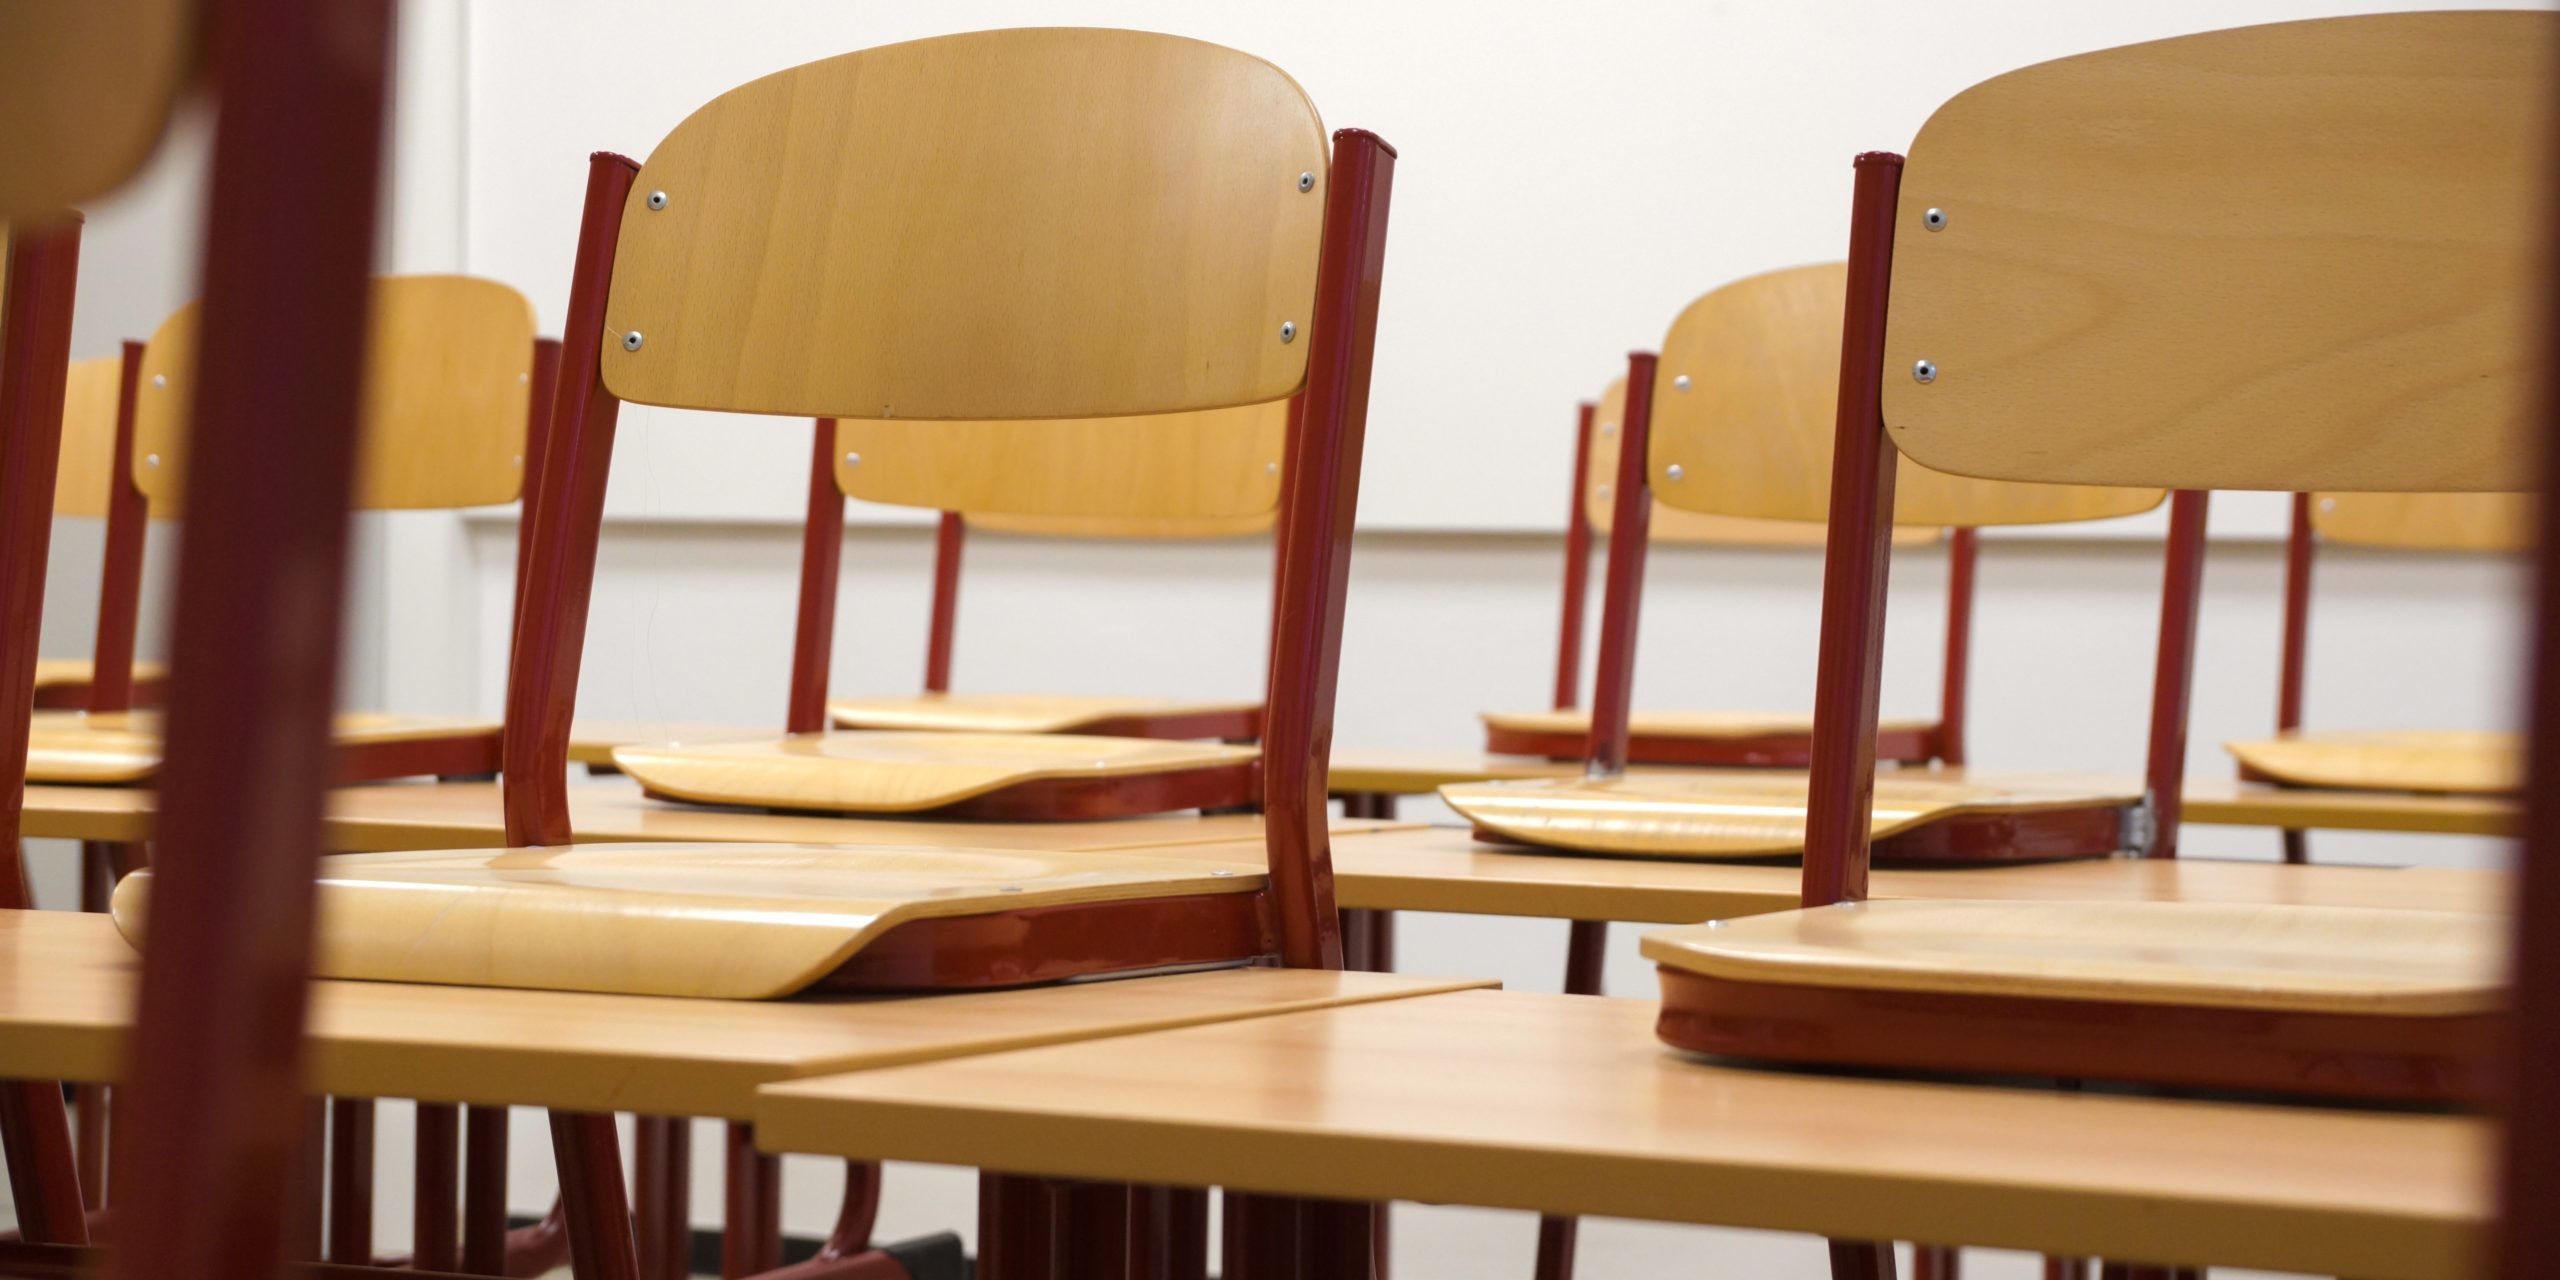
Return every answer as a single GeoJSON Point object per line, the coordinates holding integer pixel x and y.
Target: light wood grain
{"type": "Point", "coordinates": [448, 370]}
{"type": "Point", "coordinates": [1032, 223]}
{"type": "Point", "coordinates": [1674, 526]}
{"type": "Point", "coordinates": [1567, 1104]}
{"type": "Point", "coordinates": [1751, 432]}
{"type": "Point", "coordinates": [66, 982]}
{"type": "Point", "coordinates": [1008, 712]}
{"type": "Point", "coordinates": [593, 741]}
{"type": "Point", "coordinates": [1679, 724]}
{"type": "Point", "coordinates": [124, 746]}
{"type": "Point", "coordinates": [882, 772]}
{"type": "Point", "coordinates": [730, 921]}
{"type": "Point", "coordinates": [2293, 959]}
{"type": "Point", "coordinates": [54, 673]}
{"type": "Point", "coordinates": [90, 395]}
{"type": "Point", "coordinates": [1154, 527]}
{"type": "Point", "coordinates": [2296, 256]}
{"type": "Point", "coordinates": [1421, 771]}
{"type": "Point", "coordinates": [1748, 813]}
{"type": "Point", "coordinates": [1122, 476]}
{"type": "Point", "coordinates": [2450, 761]}
{"type": "Point", "coordinates": [2489, 522]}
{"type": "Point", "coordinates": [2226, 802]}
{"type": "Point", "coordinates": [86, 90]}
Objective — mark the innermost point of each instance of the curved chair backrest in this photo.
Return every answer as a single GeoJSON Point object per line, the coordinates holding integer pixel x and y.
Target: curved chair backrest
{"type": "Point", "coordinates": [1679, 526]}
{"type": "Point", "coordinates": [1166, 475]}
{"type": "Point", "coordinates": [1750, 378]}
{"type": "Point", "coordinates": [2303, 256]}
{"type": "Point", "coordinates": [88, 90]}
{"type": "Point", "coordinates": [448, 375]}
{"type": "Point", "coordinates": [91, 397]}
{"type": "Point", "coordinates": [2291, 256]}
{"type": "Point", "coordinates": [1128, 227]}
{"type": "Point", "coordinates": [2487, 522]}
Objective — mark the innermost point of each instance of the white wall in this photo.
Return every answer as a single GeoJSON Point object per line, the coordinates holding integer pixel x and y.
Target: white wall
{"type": "Point", "coordinates": [1571, 176]}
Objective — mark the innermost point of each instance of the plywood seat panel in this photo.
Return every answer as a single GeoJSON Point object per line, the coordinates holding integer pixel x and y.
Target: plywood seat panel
{"type": "Point", "coordinates": [1760, 739]}
{"type": "Point", "coordinates": [2271, 958]}
{"type": "Point", "coordinates": [1019, 712]}
{"type": "Point", "coordinates": [884, 772]}
{"type": "Point", "coordinates": [2449, 762]}
{"type": "Point", "coordinates": [731, 921]}
{"type": "Point", "coordinates": [124, 746]}
{"type": "Point", "coordinates": [1680, 724]}
{"type": "Point", "coordinates": [1717, 813]}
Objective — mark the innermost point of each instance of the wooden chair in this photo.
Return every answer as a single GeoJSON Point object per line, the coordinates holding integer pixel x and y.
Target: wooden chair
{"type": "Point", "coordinates": [2406, 760]}
{"type": "Point", "coordinates": [703, 281]}
{"type": "Point", "coordinates": [91, 483]}
{"type": "Point", "coordinates": [1011, 756]}
{"type": "Point", "coordinates": [2324, 232]}
{"type": "Point", "coordinates": [1735, 431]}
{"type": "Point", "coordinates": [1731, 738]}
{"type": "Point", "coordinates": [448, 399]}
{"type": "Point", "coordinates": [1212, 474]}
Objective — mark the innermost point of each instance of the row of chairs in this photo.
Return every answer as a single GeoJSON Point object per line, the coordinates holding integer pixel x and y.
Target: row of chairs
{"type": "Point", "coordinates": [806, 246]}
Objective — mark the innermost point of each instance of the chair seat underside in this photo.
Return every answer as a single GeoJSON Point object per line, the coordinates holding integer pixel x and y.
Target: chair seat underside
{"type": "Point", "coordinates": [2451, 762]}
{"type": "Point", "coordinates": [885, 772]}
{"type": "Point", "coordinates": [1050, 713]}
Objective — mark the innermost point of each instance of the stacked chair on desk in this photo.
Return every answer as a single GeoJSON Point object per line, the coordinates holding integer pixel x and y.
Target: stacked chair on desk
{"type": "Point", "coordinates": [2429, 761]}
{"type": "Point", "coordinates": [95, 481]}
{"type": "Point", "coordinates": [1213, 474]}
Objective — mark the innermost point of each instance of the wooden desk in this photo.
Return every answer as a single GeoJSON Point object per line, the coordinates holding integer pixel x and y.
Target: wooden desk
{"type": "Point", "coordinates": [1567, 1104]}
{"type": "Point", "coordinates": [66, 986]}
{"type": "Point", "coordinates": [393, 817]}
{"type": "Point", "coordinates": [2230, 803]}
{"type": "Point", "coordinates": [1446, 869]}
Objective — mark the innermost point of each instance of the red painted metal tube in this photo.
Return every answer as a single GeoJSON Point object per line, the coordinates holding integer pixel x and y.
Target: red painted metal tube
{"type": "Point", "coordinates": [1857, 557]}
{"type": "Point", "coordinates": [662, 1162]}
{"type": "Point", "coordinates": [948, 536]}
{"type": "Point", "coordinates": [484, 1191]}
{"type": "Point", "coordinates": [120, 580]}
{"type": "Point", "coordinates": [35, 344]}
{"type": "Point", "coordinates": [2527, 1234]}
{"type": "Point", "coordinates": [544, 390]}
{"type": "Point", "coordinates": [1622, 586]}
{"type": "Point", "coordinates": [214, 1085]}
{"type": "Point", "coordinates": [751, 1226]}
{"type": "Point", "coordinates": [568, 516]}
{"type": "Point", "coordinates": [351, 1180]}
{"type": "Point", "coordinates": [1577, 567]}
{"type": "Point", "coordinates": [821, 564]}
{"type": "Point", "coordinates": [434, 1213]}
{"type": "Point", "coordinates": [1586, 955]}
{"type": "Point", "coordinates": [2297, 616]}
{"type": "Point", "coordinates": [1952, 697]}
{"type": "Point", "coordinates": [2173, 676]}
{"type": "Point", "coordinates": [589, 1154]}
{"type": "Point", "coordinates": [1861, 1260]}
{"type": "Point", "coordinates": [1315, 566]}
{"type": "Point", "coordinates": [1935, 1262]}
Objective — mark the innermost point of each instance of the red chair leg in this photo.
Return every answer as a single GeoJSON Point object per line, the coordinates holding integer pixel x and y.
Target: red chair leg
{"type": "Point", "coordinates": [593, 1205]}
{"type": "Point", "coordinates": [434, 1213]}
{"type": "Point", "coordinates": [484, 1192]}
{"type": "Point", "coordinates": [1861, 1260]}
{"type": "Point", "coordinates": [1935, 1262]}
{"type": "Point", "coordinates": [351, 1181]}
{"type": "Point", "coordinates": [751, 1213]}
{"type": "Point", "coordinates": [1016, 1223]}
{"type": "Point", "coordinates": [663, 1201]}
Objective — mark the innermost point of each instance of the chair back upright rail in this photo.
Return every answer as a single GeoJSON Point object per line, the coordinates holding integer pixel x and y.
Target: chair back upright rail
{"type": "Point", "coordinates": [845, 239]}
{"type": "Point", "coordinates": [2076, 302]}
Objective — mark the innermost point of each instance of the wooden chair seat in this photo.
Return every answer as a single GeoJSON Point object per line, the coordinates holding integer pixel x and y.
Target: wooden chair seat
{"type": "Point", "coordinates": [1101, 715]}
{"type": "Point", "coordinates": [124, 746]}
{"type": "Point", "coordinates": [63, 683]}
{"type": "Point", "coordinates": [1941, 815]}
{"type": "Point", "coordinates": [2451, 762]}
{"type": "Point", "coordinates": [1021, 776]}
{"type": "Point", "coordinates": [761, 921]}
{"type": "Point", "coordinates": [2345, 1001]}
{"type": "Point", "coordinates": [1745, 738]}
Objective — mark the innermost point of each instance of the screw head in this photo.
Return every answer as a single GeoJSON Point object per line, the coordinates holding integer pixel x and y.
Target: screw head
{"type": "Point", "coordinates": [519, 459]}
{"type": "Point", "coordinates": [1604, 491]}
{"type": "Point", "coordinates": [1680, 383]}
{"type": "Point", "coordinates": [1271, 468]}
{"type": "Point", "coordinates": [631, 341]}
{"type": "Point", "coordinates": [1288, 331]}
{"type": "Point", "coordinates": [523, 378]}
{"type": "Point", "coordinates": [1608, 428]}
{"type": "Point", "coordinates": [151, 459]}
{"type": "Point", "coordinates": [1935, 219]}
{"type": "Point", "coordinates": [1673, 472]}
{"type": "Point", "coordinates": [1924, 371]}
{"type": "Point", "coordinates": [657, 200]}
{"type": "Point", "coordinates": [1306, 182]}
{"type": "Point", "coordinates": [160, 381]}
{"type": "Point", "coordinates": [2328, 504]}
{"type": "Point", "coordinates": [853, 459]}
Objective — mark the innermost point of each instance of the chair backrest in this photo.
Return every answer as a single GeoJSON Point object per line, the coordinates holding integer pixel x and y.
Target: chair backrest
{"type": "Point", "coordinates": [448, 376]}
{"type": "Point", "coordinates": [86, 90]}
{"type": "Point", "coordinates": [1743, 410]}
{"type": "Point", "coordinates": [996, 226]}
{"type": "Point", "coordinates": [2488, 522]}
{"type": "Point", "coordinates": [1167, 475]}
{"type": "Point", "coordinates": [2303, 256]}
{"type": "Point", "coordinates": [1679, 526]}
{"type": "Point", "coordinates": [91, 397]}
{"type": "Point", "coordinates": [2291, 256]}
